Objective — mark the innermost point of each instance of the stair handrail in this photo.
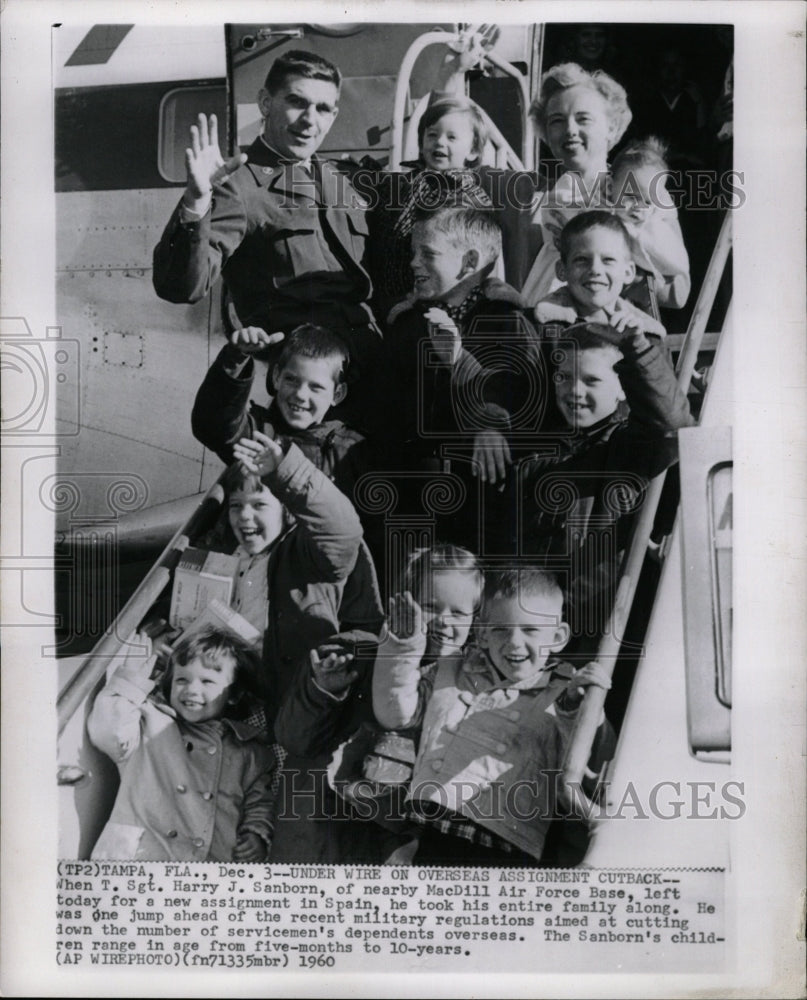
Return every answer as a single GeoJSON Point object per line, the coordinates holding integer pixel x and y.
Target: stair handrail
{"type": "Point", "coordinates": [83, 680]}
{"type": "Point", "coordinates": [402, 92]}
{"type": "Point", "coordinates": [593, 704]}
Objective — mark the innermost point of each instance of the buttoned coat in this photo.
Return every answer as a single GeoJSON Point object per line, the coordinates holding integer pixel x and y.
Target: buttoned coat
{"type": "Point", "coordinates": [187, 790]}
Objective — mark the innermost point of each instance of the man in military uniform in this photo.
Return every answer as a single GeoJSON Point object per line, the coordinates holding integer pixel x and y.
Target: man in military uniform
{"type": "Point", "coordinates": [285, 229]}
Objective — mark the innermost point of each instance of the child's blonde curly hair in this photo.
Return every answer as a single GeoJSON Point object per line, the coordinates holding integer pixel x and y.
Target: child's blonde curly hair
{"type": "Point", "coordinates": [649, 152]}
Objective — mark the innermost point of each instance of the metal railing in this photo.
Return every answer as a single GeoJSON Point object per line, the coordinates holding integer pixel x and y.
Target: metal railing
{"type": "Point", "coordinates": [82, 682]}
{"type": "Point", "coordinates": [525, 161]}
{"type": "Point", "coordinates": [527, 127]}
{"type": "Point", "coordinates": [593, 704]}
{"type": "Point", "coordinates": [504, 158]}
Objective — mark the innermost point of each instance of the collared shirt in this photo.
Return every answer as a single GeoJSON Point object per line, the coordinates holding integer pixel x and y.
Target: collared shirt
{"type": "Point", "coordinates": [305, 164]}
{"type": "Point", "coordinates": [188, 215]}
{"type": "Point", "coordinates": [317, 249]}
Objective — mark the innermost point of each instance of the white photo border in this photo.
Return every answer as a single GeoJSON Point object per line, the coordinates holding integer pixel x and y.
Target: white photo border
{"type": "Point", "coordinates": [764, 889]}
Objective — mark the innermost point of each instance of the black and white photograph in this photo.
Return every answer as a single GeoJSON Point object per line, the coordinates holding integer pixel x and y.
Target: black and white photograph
{"type": "Point", "coordinates": [403, 499]}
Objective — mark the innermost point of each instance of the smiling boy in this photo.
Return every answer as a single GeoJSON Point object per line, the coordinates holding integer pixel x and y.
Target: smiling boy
{"type": "Point", "coordinates": [587, 387]}
{"type": "Point", "coordinates": [596, 262]}
{"type": "Point", "coordinates": [308, 380]}
{"type": "Point", "coordinates": [303, 570]}
{"type": "Point", "coordinates": [462, 361]}
{"type": "Point", "coordinates": [197, 775]}
{"type": "Point", "coordinates": [497, 720]}
{"type": "Point", "coordinates": [622, 408]}
{"type": "Point", "coordinates": [200, 688]}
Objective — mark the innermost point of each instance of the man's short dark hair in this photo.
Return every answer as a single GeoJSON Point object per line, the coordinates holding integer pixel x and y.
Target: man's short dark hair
{"type": "Point", "coordinates": [586, 221]}
{"type": "Point", "coordinates": [300, 63]}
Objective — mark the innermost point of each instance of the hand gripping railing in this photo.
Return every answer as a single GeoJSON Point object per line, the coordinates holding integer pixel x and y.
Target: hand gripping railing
{"type": "Point", "coordinates": [402, 90]}
{"type": "Point", "coordinates": [593, 703]}
{"type": "Point", "coordinates": [81, 683]}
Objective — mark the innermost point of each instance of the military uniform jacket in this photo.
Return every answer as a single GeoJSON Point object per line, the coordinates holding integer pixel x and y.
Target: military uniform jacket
{"type": "Point", "coordinates": [289, 244]}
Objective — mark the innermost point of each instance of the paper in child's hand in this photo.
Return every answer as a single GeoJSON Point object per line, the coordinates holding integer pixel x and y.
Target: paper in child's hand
{"type": "Point", "coordinates": [445, 335]}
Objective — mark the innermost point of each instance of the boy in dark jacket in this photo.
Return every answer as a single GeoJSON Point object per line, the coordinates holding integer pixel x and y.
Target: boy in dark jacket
{"type": "Point", "coordinates": [464, 369]}
{"type": "Point", "coordinates": [330, 703]}
{"type": "Point", "coordinates": [596, 262]}
{"type": "Point", "coordinates": [308, 379]}
{"type": "Point", "coordinates": [619, 400]}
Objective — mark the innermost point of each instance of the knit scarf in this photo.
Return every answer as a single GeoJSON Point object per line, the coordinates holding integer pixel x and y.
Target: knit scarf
{"type": "Point", "coordinates": [460, 311]}
{"type": "Point", "coordinates": [432, 190]}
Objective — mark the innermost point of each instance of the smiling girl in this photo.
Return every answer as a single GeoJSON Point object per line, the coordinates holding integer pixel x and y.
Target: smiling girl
{"type": "Point", "coordinates": [430, 618]}
{"type": "Point", "coordinates": [196, 775]}
{"type": "Point", "coordinates": [451, 138]}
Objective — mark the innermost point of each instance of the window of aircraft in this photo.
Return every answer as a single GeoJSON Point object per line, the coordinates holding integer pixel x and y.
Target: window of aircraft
{"type": "Point", "coordinates": [179, 109]}
{"type": "Point", "coordinates": [720, 536]}
{"type": "Point", "coordinates": [94, 129]}
{"type": "Point", "coordinates": [706, 521]}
